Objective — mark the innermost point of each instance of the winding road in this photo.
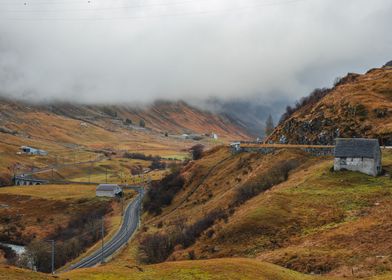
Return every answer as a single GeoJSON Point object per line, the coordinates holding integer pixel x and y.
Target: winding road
{"type": "Point", "coordinates": [128, 227]}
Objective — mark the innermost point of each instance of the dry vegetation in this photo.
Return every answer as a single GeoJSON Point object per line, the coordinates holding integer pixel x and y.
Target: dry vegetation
{"type": "Point", "coordinates": [316, 221]}
{"type": "Point", "coordinates": [359, 106]}
{"type": "Point", "coordinates": [77, 133]}
{"type": "Point", "coordinates": [69, 214]}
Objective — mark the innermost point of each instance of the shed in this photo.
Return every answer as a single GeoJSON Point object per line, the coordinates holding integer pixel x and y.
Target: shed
{"type": "Point", "coordinates": [108, 190]}
{"type": "Point", "coordinates": [358, 154]}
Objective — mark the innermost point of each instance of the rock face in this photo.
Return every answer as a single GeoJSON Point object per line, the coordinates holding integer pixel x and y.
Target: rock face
{"type": "Point", "coordinates": [358, 106]}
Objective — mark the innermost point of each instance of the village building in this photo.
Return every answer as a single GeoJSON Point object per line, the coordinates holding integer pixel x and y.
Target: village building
{"type": "Point", "coordinates": [108, 190]}
{"type": "Point", "coordinates": [32, 151]}
{"type": "Point", "coordinates": [357, 154]}
{"type": "Point", "coordinates": [235, 147]}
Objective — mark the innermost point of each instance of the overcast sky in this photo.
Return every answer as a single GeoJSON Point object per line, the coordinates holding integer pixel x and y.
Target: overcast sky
{"type": "Point", "coordinates": [139, 51]}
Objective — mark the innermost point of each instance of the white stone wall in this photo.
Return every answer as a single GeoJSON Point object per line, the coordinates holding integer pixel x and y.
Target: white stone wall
{"type": "Point", "coordinates": [364, 165]}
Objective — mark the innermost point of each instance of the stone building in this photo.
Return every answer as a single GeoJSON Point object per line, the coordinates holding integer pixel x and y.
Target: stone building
{"type": "Point", "coordinates": [108, 190]}
{"type": "Point", "coordinates": [357, 154]}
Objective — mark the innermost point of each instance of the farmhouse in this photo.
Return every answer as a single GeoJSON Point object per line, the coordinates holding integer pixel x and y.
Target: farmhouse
{"type": "Point", "coordinates": [108, 190]}
{"type": "Point", "coordinates": [363, 155]}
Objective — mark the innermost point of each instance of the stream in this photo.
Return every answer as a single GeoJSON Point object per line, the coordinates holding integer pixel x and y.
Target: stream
{"type": "Point", "coordinates": [19, 250]}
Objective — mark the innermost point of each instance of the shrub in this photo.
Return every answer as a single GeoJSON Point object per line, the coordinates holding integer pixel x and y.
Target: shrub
{"type": "Point", "coordinates": [141, 156]}
{"type": "Point", "coordinates": [197, 151]}
{"type": "Point", "coordinates": [81, 232]}
{"type": "Point", "coordinates": [381, 113]}
{"type": "Point", "coordinates": [162, 192]}
{"type": "Point", "coordinates": [360, 110]}
{"type": "Point", "coordinates": [9, 254]}
{"type": "Point", "coordinates": [157, 164]}
{"type": "Point", "coordinates": [155, 248]}
{"type": "Point", "coordinates": [276, 174]}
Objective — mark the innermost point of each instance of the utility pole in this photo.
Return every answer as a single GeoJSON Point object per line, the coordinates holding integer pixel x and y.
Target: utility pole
{"type": "Point", "coordinates": [102, 234]}
{"type": "Point", "coordinates": [122, 205]}
{"type": "Point", "coordinates": [53, 254]}
{"type": "Point", "coordinates": [90, 169]}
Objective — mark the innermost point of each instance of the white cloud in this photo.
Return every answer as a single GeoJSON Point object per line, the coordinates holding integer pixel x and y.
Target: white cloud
{"type": "Point", "coordinates": [97, 52]}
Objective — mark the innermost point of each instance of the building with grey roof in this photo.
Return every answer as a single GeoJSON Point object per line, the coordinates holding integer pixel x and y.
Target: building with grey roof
{"type": "Point", "coordinates": [358, 154]}
{"type": "Point", "coordinates": [108, 190]}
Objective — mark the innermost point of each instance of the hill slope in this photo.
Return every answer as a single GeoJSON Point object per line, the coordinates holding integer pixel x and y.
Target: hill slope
{"type": "Point", "coordinates": [302, 223]}
{"type": "Point", "coordinates": [81, 131]}
{"type": "Point", "coordinates": [358, 106]}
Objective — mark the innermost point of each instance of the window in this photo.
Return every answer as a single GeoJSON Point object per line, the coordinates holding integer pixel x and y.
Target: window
{"type": "Point", "coordinates": [343, 161]}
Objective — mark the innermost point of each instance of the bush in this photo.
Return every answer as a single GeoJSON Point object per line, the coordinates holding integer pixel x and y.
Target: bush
{"type": "Point", "coordinates": [141, 156]}
{"type": "Point", "coordinates": [162, 192]}
{"type": "Point", "coordinates": [142, 123]}
{"type": "Point", "coordinates": [155, 248]}
{"type": "Point", "coordinates": [276, 174]}
{"type": "Point", "coordinates": [380, 113]}
{"type": "Point", "coordinates": [82, 231]}
{"type": "Point", "coordinates": [360, 110]}
{"type": "Point", "coordinates": [197, 151]}
{"type": "Point", "coordinates": [9, 254]}
{"type": "Point", "coordinates": [157, 164]}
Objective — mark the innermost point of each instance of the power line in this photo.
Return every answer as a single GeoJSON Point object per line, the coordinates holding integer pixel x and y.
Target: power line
{"type": "Point", "coordinates": [202, 13]}
{"type": "Point", "coordinates": [105, 8]}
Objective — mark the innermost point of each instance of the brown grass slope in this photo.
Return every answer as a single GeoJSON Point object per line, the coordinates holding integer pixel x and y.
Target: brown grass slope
{"type": "Point", "coordinates": [318, 221]}
{"type": "Point", "coordinates": [359, 106]}
{"type": "Point", "coordinates": [217, 269]}
{"type": "Point", "coordinates": [74, 132]}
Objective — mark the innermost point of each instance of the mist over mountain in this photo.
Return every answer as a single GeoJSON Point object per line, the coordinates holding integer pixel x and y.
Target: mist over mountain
{"type": "Point", "coordinates": [137, 52]}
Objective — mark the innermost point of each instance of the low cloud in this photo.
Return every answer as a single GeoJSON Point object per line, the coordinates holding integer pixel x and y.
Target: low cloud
{"type": "Point", "coordinates": [139, 51]}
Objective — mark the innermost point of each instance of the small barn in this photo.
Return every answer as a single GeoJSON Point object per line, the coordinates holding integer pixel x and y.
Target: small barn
{"type": "Point", "coordinates": [108, 190]}
{"type": "Point", "coordinates": [358, 154]}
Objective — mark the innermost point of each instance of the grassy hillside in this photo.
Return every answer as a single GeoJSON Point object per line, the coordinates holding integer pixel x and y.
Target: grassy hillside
{"type": "Point", "coordinates": [204, 269]}
{"type": "Point", "coordinates": [38, 212]}
{"type": "Point", "coordinates": [358, 106]}
{"type": "Point", "coordinates": [74, 133]}
{"type": "Point", "coordinates": [318, 221]}
{"type": "Point", "coordinates": [215, 269]}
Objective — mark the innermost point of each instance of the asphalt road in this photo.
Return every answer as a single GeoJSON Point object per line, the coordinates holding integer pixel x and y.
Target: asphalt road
{"type": "Point", "coordinates": [128, 227]}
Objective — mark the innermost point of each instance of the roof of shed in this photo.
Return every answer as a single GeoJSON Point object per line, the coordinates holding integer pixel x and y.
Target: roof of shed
{"type": "Point", "coordinates": [357, 147]}
{"type": "Point", "coordinates": [107, 187]}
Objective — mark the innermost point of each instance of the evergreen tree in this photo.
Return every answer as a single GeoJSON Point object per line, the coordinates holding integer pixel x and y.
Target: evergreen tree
{"type": "Point", "coordinates": [269, 125]}
{"type": "Point", "coordinates": [142, 123]}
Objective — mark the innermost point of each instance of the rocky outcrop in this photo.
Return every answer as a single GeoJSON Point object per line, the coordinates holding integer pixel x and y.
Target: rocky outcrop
{"type": "Point", "coordinates": [358, 106]}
